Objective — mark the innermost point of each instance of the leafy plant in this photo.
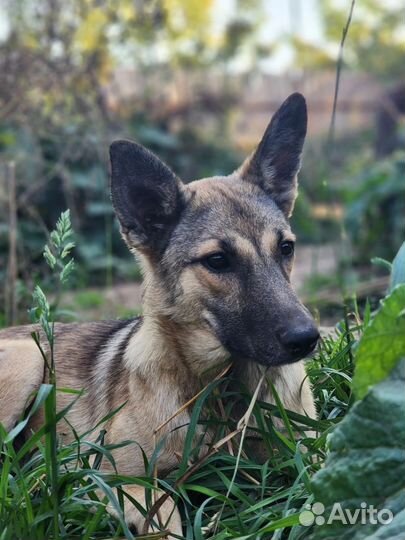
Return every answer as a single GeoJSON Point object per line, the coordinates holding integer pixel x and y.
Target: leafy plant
{"type": "Point", "coordinates": [382, 343]}
{"type": "Point", "coordinates": [366, 465]}
{"type": "Point", "coordinates": [376, 208]}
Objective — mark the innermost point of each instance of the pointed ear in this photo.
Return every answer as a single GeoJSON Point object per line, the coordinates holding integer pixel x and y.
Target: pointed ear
{"type": "Point", "coordinates": [146, 195]}
{"type": "Point", "coordinates": [275, 163]}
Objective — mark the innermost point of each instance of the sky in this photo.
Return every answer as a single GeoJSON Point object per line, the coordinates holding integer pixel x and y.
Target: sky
{"type": "Point", "coordinates": [299, 17]}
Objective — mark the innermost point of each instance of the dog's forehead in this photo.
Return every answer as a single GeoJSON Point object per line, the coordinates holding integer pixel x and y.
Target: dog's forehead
{"type": "Point", "coordinates": [222, 204]}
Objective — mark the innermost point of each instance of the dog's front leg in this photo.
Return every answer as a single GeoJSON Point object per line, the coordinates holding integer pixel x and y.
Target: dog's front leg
{"type": "Point", "coordinates": [167, 516]}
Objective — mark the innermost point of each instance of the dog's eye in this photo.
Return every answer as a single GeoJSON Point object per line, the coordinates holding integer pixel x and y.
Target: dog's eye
{"type": "Point", "coordinates": [217, 262]}
{"type": "Point", "coordinates": [287, 248]}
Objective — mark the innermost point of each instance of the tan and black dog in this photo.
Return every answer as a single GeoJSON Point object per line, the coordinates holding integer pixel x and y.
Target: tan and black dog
{"type": "Point", "coordinates": [216, 256]}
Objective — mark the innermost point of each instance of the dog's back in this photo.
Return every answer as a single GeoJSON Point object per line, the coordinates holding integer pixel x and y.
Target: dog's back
{"type": "Point", "coordinates": [88, 358]}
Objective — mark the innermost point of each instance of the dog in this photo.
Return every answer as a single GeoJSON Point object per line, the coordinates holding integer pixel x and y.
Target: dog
{"type": "Point", "coordinates": [216, 256]}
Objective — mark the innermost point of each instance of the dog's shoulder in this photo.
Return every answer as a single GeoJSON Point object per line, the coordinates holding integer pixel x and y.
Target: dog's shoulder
{"type": "Point", "coordinates": [80, 344]}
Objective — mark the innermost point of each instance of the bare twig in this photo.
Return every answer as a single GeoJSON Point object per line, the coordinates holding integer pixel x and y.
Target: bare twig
{"type": "Point", "coordinates": [241, 427]}
{"type": "Point", "coordinates": [331, 134]}
{"type": "Point", "coordinates": [11, 281]}
{"type": "Point", "coordinates": [345, 31]}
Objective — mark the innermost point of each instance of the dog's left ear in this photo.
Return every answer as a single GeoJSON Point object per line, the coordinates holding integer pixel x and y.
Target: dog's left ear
{"type": "Point", "coordinates": [275, 163]}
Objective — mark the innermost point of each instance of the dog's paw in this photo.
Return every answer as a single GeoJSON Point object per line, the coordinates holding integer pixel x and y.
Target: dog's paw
{"type": "Point", "coordinates": [166, 519]}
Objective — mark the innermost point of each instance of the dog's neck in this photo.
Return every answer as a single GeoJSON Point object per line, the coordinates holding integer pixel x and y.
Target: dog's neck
{"type": "Point", "coordinates": [165, 348]}
{"type": "Point", "coordinates": [186, 359]}
{"type": "Point", "coordinates": [187, 355]}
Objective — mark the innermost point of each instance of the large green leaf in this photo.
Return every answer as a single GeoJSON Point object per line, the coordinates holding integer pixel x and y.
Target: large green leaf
{"type": "Point", "coordinates": [366, 465]}
{"type": "Point", "coordinates": [382, 343]}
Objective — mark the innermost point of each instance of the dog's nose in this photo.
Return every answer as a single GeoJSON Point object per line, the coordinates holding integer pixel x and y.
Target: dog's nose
{"type": "Point", "coordinates": [300, 341]}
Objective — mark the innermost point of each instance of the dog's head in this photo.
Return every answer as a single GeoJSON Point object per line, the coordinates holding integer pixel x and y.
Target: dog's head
{"type": "Point", "coordinates": [217, 253]}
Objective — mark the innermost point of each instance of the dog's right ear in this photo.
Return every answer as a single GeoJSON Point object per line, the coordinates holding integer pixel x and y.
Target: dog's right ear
{"type": "Point", "coordinates": [275, 163]}
{"type": "Point", "coordinates": [146, 195]}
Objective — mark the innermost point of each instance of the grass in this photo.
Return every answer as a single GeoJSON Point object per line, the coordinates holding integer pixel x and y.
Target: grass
{"type": "Point", "coordinates": [51, 490]}
{"type": "Point", "coordinates": [225, 495]}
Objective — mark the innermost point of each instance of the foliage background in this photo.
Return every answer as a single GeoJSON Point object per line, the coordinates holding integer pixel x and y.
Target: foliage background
{"type": "Point", "coordinates": [196, 83]}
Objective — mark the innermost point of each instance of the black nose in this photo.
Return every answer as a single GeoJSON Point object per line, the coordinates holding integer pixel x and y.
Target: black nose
{"type": "Point", "coordinates": [300, 341]}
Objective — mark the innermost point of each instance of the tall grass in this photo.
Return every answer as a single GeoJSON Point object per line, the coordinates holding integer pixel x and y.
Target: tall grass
{"type": "Point", "coordinates": [50, 489]}
{"type": "Point", "coordinates": [253, 500]}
